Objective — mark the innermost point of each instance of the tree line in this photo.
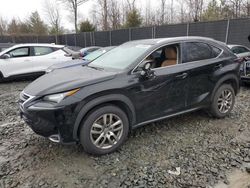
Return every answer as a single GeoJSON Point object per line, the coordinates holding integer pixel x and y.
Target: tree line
{"type": "Point", "coordinates": [117, 14]}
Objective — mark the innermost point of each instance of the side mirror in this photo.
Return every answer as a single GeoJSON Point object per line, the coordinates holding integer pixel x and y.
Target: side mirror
{"type": "Point", "coordinates": [5, 56]}
{"type": "Point", "coordinates": [145, 69]}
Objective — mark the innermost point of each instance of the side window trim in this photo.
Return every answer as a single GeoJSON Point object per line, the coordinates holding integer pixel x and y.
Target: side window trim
{"type": "Point", "coordinates": [210, 45]}
{"type": "Point", "coordinates": [34, 51]}
{"type": "Point", "coordinates": [179, 59]}
{"type": "Point", "coordinates": [29, 51]}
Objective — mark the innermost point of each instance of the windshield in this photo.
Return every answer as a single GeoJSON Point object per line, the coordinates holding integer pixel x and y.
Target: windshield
{"type": "Point", "coordinates": [120, 57]}
{"type": "Point", "coordinates": [68, 51]}
{"type": "Point", "coordinates": [92, 56]}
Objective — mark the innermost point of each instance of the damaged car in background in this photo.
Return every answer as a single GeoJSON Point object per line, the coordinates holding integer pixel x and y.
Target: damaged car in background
{"type": "Point", "coordinates": [132, 85]}
{"type": "Point", "coordinates": [244, 53]}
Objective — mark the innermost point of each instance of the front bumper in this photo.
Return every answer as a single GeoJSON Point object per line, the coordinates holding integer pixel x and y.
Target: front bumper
{"type": "Point", "coordinates": [51, 122]}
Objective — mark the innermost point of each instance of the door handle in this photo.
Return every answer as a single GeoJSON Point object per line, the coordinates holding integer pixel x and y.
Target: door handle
{"type": "Point", "coordinates": [27, 60]}
{"type": "Point", "coordinates": [218, 66]}
{"type": "Point", "coordinates": [182, 76]}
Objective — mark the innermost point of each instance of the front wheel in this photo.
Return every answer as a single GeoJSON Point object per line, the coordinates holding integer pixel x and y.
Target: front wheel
{"type": "Point", "coordinates": [104, 130]}
{"type": "Point", "coordinates": [223, 101]}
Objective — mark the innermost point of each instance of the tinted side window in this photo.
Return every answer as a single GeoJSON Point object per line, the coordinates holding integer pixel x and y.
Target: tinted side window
{"type": "Point", "coordinates": [195, 51]}
{"type": "Point", "coordinates": [239, 49]}
{"type": "Point", "coordinates": [20, 52]}
{"type": "Point", "coordinates": [42, 51]}
{"type": "Point", "coordinates": [216, 51]}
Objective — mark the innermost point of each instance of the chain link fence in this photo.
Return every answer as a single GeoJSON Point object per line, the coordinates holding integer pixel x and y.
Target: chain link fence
{"type": "Point", "coordinates": [234, 31]}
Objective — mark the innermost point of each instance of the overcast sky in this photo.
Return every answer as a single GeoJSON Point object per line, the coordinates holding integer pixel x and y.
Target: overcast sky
{"type": "Point", "coordinates": [23, 8]}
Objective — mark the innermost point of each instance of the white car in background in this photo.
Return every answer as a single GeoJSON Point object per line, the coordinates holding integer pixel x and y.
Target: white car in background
{"type": "Point", "coordinates": [240, 51]}
{"type": "Point", "coordinates": [31, 59]}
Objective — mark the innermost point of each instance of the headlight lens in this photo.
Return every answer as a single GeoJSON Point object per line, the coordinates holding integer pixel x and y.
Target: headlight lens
{"type": "Point", "coordinates": [57, 98]}
{"type": "Point", "coordinates": [49, 70]}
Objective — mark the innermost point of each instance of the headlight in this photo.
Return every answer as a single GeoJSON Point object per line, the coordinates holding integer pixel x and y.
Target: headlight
{"type": "Point", "coordinates": [57, 98]}
{"type": "Point", "coordinates": [49, 70]}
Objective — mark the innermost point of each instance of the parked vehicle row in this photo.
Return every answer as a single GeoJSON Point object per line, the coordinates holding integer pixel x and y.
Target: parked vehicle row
{"type": "Point", "coordinates": [244, 53]}
{"type": "Point", "coordinates": [84, 61]}
{"type": "Point", "coordinates": [136, 83]}
{"type": "Point", "coordinates": [31, 59]}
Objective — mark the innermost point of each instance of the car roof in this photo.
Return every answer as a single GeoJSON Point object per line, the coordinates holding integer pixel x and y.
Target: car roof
{"type": "Point", "coordinates": [171, 39]}
{"type": "Point", "coordinates": [236, 45]}
{"type": "Point", "coordinates": [39, 44]}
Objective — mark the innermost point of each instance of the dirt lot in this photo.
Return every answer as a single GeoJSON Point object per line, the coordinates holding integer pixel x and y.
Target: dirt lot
{"type": "Point", "coordinates": [209, 152]}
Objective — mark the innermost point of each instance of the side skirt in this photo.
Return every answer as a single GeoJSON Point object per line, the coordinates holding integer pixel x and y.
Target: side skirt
{"type": "Point", "coordinates": [166, 117]}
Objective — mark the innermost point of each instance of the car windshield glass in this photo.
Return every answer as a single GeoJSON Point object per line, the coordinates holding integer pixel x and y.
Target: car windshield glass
{"type": "Point", "coordinates": [67, 50]}
{"type": "Point", "coordinates": [92, 56]}
{"type": "Point", "coordinates": [121, 57]}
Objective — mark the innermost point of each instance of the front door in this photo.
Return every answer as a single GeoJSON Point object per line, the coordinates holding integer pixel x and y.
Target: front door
{"type": "Point", "coordinates": [162, 95]}
{"type": "Point", "coordinates": [18, 63]}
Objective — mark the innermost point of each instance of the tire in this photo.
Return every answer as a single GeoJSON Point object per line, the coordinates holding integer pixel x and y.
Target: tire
{"type": "Point", "coordinates": [222, 104]}
{"type": "Point", "coordinates": [1, 77]}
{"type": "Point", "coordinates": [94, 129]}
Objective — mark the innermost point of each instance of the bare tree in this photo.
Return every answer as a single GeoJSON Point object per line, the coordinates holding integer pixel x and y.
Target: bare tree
{"type": "Point", "coordinates": [3, 26]}
{"type": "Point", "coordinates": [115, 14]}
{"type": "Point", "coordinates": [73, 5]}
{"type": "Point", "coordinates": [53, 14]}
{"type": "Point", "coordinates": [131, 4]}
{"type": "Point", "coordinates": [195, 9]}
{"type": "Point", "coordinates": [104, 13]}
{"type": "Point", "coordinates": [172, 12]}
{"type": "Point", "coordinates": [163, 11]}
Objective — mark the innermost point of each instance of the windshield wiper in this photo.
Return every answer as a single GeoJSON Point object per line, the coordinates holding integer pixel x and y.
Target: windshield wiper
{"type": "Point", "coordinates": [96, 68]}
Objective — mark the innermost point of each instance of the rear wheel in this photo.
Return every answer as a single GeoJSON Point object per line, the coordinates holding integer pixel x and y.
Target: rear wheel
{"type": "Point", "coordinates": [1, 77]}
{"type": "Point", "coordinates": [104, 130]}
{"type": "Point", "coordinates": [223, 101]}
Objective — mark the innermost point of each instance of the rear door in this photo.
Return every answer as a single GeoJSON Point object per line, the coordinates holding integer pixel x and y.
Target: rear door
{"type": "Point", "coordinates": [201, 60]}
{"type": "Point", "coordinates": [18, 63]}
{"type": "Point", "coordinates": [44, 57]}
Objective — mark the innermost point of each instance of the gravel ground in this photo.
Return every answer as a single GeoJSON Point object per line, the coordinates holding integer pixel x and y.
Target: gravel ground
{"type": "Point", "coordinates": [207, 152]}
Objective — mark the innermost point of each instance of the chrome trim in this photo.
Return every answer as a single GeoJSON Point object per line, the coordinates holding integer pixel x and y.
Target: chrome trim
{"type": "Point", "coordinates": [55, 138]}
{"type": "Point", "coordinates": [222, 50]}
{"type": "Point", "coordinates": [43, 108]}
{"type": "Point", "coordinates": [26, 101]}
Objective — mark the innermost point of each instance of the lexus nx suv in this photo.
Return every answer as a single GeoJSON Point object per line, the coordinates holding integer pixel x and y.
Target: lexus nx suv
{"type": "Point", "coordinates": [132, 85]}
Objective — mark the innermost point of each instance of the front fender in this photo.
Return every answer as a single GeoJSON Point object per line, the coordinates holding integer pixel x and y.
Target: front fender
{"type": "Point", "coordinates": [101, 100]}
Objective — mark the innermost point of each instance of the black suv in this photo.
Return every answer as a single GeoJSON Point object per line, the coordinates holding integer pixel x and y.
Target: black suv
{"type": "Point", "coordinates": [134, 84]}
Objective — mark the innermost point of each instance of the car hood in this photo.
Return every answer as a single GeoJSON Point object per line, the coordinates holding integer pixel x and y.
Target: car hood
{"type": "Point", "coordinates": [67, 64]}
{"type": "Point", "coordinates": [62, 80]}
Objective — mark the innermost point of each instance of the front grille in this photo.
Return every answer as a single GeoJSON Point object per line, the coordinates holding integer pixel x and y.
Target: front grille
{"type": "Point", "coordinates": [23, 98]}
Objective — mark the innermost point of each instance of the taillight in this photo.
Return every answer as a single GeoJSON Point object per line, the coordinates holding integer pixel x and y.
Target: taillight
{"type": "Point", "coordinates": [240, 60]}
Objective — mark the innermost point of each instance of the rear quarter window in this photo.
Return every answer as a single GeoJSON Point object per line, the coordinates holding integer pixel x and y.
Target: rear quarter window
{"type": "Point", "coordinates": [196, 51]}
{"type": "Point", "coordinates": [239, 50]}
{"type": "Point", "coordinates": [38, 50]}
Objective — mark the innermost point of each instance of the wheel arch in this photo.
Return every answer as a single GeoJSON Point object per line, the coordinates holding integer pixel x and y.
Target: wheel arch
{"type": "Point", "coordinates": [1, 76]}
{"type": "Point", "coordinates": [231, 79]}
{"type": "Point", "coordinates": [118, 100]}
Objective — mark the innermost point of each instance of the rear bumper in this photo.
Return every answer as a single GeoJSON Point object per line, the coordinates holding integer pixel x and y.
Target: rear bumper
{"type": "Point", "coordinates": [245, 79]}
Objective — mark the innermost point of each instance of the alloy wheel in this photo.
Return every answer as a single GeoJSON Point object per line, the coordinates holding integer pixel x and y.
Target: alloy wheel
{"type": "Point", "coordinates": [106, 131]}
{"type": "Point", "coordinates": [225, 101]}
